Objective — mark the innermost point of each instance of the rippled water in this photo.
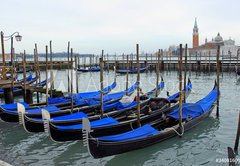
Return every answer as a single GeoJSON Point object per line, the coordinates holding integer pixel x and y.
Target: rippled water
{"type": "Point", "coordinates": [200, 146]}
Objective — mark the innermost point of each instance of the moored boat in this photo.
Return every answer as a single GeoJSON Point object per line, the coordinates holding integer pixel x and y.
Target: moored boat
{"type": "Point", "coordinates": [152, 133]}
{"type": "Point", "coordinates": [110, 110]}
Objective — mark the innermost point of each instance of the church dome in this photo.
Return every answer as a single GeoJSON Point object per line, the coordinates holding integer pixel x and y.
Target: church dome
{"type": "Point", "coordinates": [218, 38]}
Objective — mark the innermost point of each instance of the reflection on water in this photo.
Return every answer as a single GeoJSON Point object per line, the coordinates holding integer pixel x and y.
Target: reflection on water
{"type": "Point", "coordinates": [200, 146]}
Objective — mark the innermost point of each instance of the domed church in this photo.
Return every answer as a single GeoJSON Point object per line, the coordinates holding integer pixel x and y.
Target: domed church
{"type": "Point", "coordinates": [227, 46]}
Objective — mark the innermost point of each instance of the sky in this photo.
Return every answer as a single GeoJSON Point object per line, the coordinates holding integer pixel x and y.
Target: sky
{"type": "Point", "coordinates": [116, 26]}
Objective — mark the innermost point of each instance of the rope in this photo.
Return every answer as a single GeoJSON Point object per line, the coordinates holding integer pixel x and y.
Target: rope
{"type": "Point", "coordinates": [171, 128]}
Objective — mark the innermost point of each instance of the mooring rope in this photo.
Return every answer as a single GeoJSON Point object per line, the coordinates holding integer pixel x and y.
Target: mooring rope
{"type": "Point", "coordinates": [179, 134]}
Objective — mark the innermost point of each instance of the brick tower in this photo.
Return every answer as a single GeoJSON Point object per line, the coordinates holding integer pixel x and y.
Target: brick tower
{"type": "Point", "coordinates": [195, 35]}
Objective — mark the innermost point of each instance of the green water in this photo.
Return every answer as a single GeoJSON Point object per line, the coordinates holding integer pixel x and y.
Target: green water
{"type": "Point", "coordinates": [200, 146]}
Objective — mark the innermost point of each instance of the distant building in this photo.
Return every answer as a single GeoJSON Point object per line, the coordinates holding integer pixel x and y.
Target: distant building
{"type": "Point", "coordinates": [228, 47]}
{"type": "Point", "coordinates": [195, 35]}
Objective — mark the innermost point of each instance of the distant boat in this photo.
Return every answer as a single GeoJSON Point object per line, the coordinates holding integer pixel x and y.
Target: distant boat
{"type": "Point", "coordinates": [90, 69]}
{"type": "Point", "coordinates": [28, 69]}
{"type": "Point", "coordinates": [131, 71]}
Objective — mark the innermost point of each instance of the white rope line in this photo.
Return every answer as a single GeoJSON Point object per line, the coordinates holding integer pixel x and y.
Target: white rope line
{"type": "Point", "coordinates": [179, 134]}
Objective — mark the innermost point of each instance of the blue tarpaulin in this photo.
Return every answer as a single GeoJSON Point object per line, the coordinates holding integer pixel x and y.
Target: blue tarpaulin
{"type": "Point", "coordinates": [195, 110]}
{"type": "Point", "coordinates": [138, 133]}
{"type": "Point", "coordinates": [102, 122]}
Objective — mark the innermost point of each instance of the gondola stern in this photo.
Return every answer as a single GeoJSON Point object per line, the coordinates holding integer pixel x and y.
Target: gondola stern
{"type": "Point", "coordinates": [46, 120]}
{"type": "Point", "coordinates": [86, 130]}
{"type": "Point", "coordinates": [21, 113]}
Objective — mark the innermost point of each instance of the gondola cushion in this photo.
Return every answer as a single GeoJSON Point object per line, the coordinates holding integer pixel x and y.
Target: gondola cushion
{"type": "Point", "coordinates": [39, 110]}
{"type": "Point", "coordinates": [138, 133]}
{"type": "Point", "coordinates": [78, 115]}
{"type": "Point", "coordinates": [98, 123]}
{"type": "Point", "coordinates": [13, 106]}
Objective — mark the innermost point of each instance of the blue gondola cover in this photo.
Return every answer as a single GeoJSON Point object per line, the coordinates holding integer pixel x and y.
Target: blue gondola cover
{"type": "Point", "coordinates": [138, 133]}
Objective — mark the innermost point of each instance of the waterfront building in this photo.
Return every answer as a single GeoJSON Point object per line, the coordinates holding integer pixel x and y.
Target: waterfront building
{"type": "Point", "coordinates": [228, 48]}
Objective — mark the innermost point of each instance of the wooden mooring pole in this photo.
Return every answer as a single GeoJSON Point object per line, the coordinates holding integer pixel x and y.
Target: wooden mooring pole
{"type": "Point", "coordinates": [157, 72]}
{"type": "Point", "coordinates": [47, 75]}
{"type": "Point", "coordinates": [180, 89]}
{"type": "Point", "coordinates": [38, 74]}
{"type": "Point", "coordinates": [68, 66]}
{"type": "Point", "coordinates": [76, 67]}
{"type": "Point", "coordinates": [185, 73]}
{"type": "Point", "coordinates": [101, 83]}
{"type": "Point", "coordinates": [24, 77]}
{"type": "Point", "coordinates": [72, 80]}
{"type": "Point", "coordinates": [51, 70]}
{"type": "Point", "coordinates": [218, 82]}
{"type": "Point", "coordinates": [138, 87]}
{"type": "Point", "coordinates": [127, 74]}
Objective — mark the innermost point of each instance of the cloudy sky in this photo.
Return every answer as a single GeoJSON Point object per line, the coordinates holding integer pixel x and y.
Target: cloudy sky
{"type": "Point", "coordinates": [116, 25]}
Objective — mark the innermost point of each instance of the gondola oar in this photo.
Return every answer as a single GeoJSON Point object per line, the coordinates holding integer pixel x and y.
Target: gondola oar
{"type": "Point", "coordinates": [101, 83]}
{"type": "Point", "coordinates": [47, 75]}
{"type": "Point", "coordinates": [185, 73]}
{"type": "Point", "coordinates": [180, 91]}
{"type": "Point", "coordinates": [157, 72]}
{"type": "Point", "coordinates": [138, 87]}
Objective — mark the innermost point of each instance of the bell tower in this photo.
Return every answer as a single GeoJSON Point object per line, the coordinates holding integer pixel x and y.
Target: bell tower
{"type": "Point", "coordinates": [195, 43]}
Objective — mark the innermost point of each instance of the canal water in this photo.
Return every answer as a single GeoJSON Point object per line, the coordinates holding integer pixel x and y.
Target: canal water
{"type": "Point", "coordinates": [204, 145]}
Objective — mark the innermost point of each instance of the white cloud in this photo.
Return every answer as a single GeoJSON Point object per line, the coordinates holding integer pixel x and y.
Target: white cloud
{"type": "Point", "coordinates": [116, 26]}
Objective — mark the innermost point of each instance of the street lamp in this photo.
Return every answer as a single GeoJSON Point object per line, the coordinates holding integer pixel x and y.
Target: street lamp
{"type": "Point", "coordinates": [18, 38]}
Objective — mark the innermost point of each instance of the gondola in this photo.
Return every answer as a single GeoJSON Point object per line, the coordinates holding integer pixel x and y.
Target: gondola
{"type": "Point", "coordinates": [79, 96]}
{"type": "Point", "coordinates": [113, 109]}
{"type": "Point", "coordinates": [8, 112]}
{"type": "Point", "coordinates": [131, 71]}
{"type": "Point", "coordinates": [90, 69]}
{"type": "Point", "coordinates": [28, 69]}
{"type": "Point", "coordinates": [152, 133]}
{"type": "Point", "coordinates": [29, 79]}
{"type": "Point", "coordinates": [121, 121]}
{"type": "Point", "coordinates": [61, 101]}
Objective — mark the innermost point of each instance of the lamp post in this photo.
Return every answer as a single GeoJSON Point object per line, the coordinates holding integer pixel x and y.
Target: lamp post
{"type": "Point", "coordinates": [18, 38]}
{"type": "Point", "coordinates": [8, 92]}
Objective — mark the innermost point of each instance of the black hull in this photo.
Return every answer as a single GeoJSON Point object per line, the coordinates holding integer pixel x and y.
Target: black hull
{"type": "Point", "coordinates": [130, 72]}
{"type": "Point", "coordinates": [99, 149]}
{"type": "Point", "coordinates": [82, 70]}
{"type": "Point", "coordinates": [37, 126]}
{"type": "Point", "coordinates": [6, 117]}
{"type": "Point", "coordinates": [71, 135]}
{"type": "Point", "coordinates": [14, 117]}
{"type": "Point", "coordinates": [21, 71]}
